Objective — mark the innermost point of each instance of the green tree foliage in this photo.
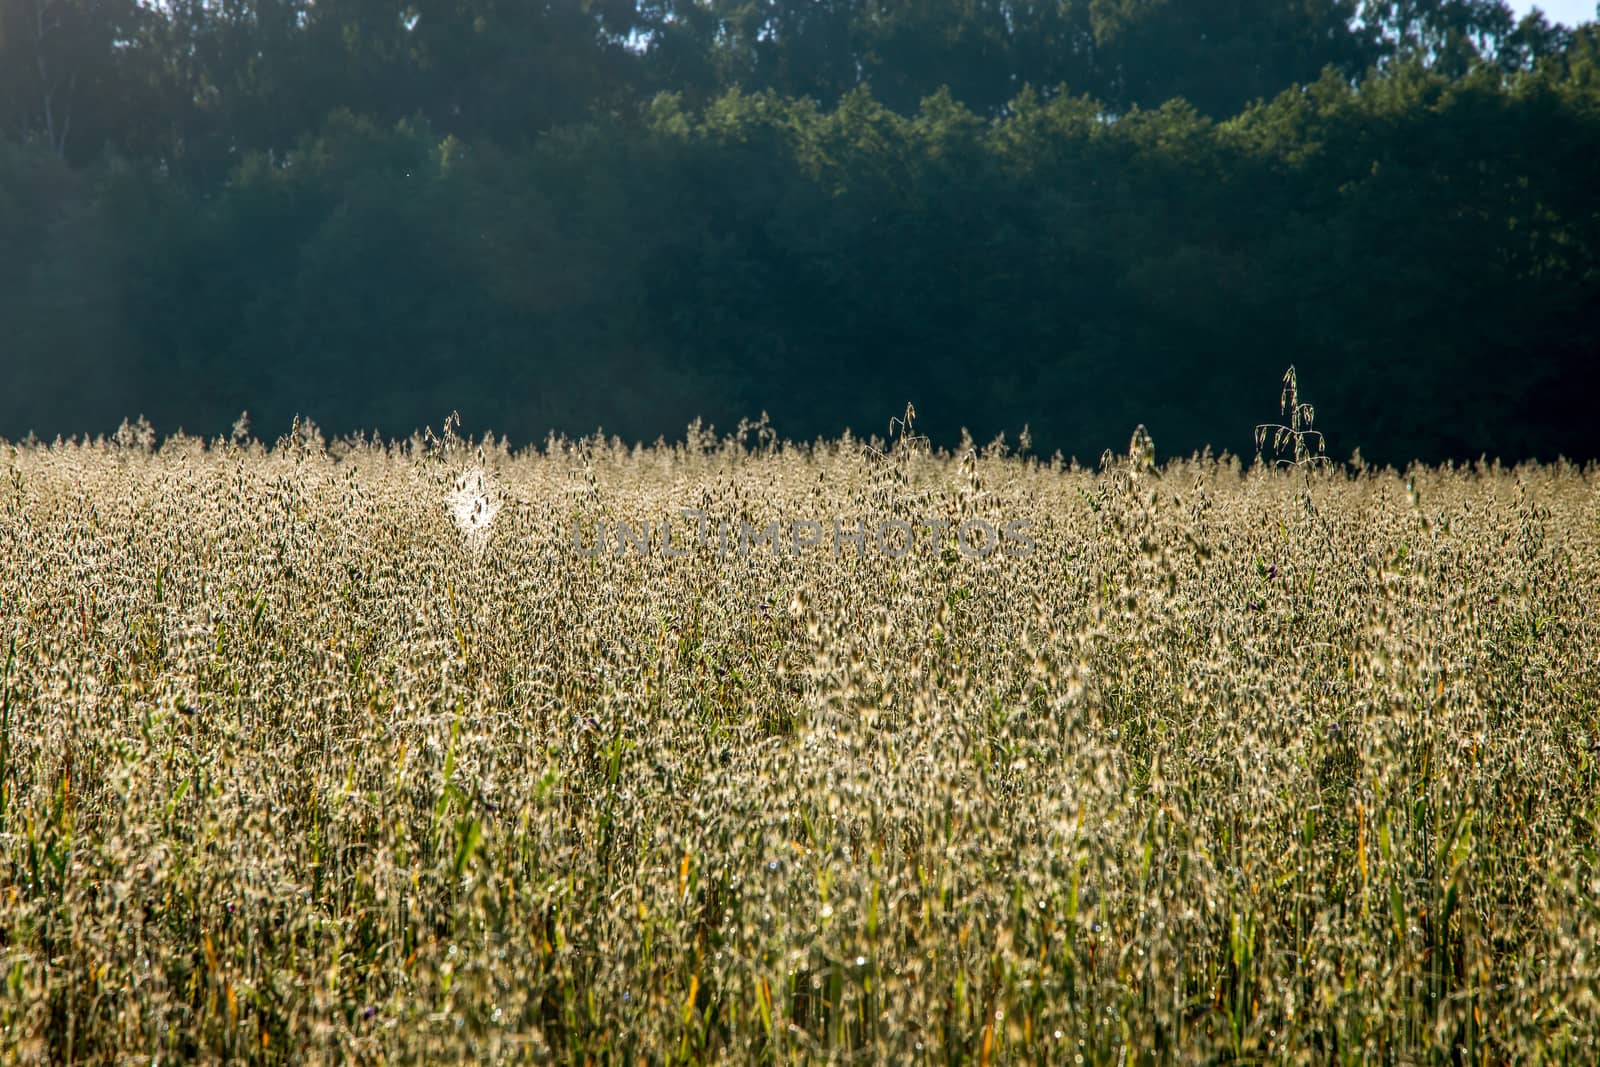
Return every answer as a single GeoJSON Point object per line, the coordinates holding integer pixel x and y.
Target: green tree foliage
{"type": "Point", "coordinates": [1221, 56]}
{"type": "Point", "coordinates": [557, 216]}
{"type": "Point", "coordinates": [70, 78]}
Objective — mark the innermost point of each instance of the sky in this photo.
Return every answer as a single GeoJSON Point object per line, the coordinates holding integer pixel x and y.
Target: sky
{"type": "Point", "coordinates": [1571, 12]}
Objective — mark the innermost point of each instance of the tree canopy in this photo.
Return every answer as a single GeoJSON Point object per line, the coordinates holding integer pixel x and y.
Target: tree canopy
{"type": "Point", "coordinates": [1075, 215]}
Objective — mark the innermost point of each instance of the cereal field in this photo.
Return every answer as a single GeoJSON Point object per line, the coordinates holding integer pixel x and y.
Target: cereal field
{"type": "Point", "coordinates": [432, 751]}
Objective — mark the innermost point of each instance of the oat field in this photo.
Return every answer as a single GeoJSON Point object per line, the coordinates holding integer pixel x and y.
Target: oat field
{"type": "Point", "coordinates": [374, 752]}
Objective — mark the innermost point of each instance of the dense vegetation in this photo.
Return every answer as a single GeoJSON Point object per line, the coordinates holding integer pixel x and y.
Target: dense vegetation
{"type": "Point", "coordinates": [1290, 766]}
{"type": "Point", "coordinates": [1072, 216]}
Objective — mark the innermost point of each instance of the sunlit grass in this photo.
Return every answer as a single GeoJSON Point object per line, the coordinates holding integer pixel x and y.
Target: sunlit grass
{"type": "Point", "coordinates": [301, 763]}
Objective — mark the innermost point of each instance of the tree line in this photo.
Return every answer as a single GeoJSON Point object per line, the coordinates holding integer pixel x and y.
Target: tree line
{"type": "Point", "coordinates": [1074, 216]}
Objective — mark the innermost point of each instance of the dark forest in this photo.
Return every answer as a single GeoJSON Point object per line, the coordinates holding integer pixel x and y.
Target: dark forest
{"type": "Point", "coordinates": [1073, 216]}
